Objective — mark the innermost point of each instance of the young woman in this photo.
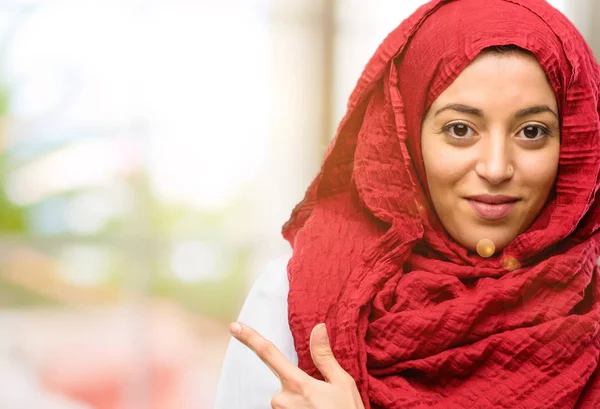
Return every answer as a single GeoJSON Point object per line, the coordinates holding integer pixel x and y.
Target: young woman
{"type": "Point", "coordinates": [446, 254]}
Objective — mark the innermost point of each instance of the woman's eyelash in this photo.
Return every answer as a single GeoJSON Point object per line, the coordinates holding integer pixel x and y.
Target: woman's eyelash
{"type": "Point", "coordinates": [543, 130]}
{"type": "Point", "coordinates": [444, 128]}
{"type": "Point", "coordinates": [448, 127]}
{"type": "Point", "coordinates": [467, 128]}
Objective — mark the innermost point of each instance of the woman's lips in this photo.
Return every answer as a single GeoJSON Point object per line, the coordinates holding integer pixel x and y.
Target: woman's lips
{"type": "Point", "coordinates": [491, 211]}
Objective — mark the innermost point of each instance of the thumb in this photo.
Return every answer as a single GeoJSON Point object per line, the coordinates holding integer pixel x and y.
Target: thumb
{"type": "Point", "coordinates": [322, 355]}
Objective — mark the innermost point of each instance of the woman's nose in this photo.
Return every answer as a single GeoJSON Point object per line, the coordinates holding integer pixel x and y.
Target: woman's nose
{"type": "Point", "coordinates": [494, 161]}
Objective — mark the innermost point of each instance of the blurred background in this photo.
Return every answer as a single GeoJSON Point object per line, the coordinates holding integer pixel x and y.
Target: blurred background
{"type": "Point", "coordinates": [150, 152]}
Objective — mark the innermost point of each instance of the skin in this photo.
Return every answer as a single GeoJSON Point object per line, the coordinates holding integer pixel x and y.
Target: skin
{"type": "Point", "coordinates": [490, 145]}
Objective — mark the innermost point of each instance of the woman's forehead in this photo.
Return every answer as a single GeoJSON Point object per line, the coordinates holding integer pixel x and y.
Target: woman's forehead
{"type": "Point", "coordinates": [493, 80]}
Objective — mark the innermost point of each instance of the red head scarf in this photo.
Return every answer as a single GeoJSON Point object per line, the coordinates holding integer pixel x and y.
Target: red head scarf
{"type": "Point", "coordinates": [415, 318]}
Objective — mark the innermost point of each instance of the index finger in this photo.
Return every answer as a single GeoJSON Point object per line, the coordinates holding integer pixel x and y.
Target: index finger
{"type": "Point", "coordinates": [285, 370]}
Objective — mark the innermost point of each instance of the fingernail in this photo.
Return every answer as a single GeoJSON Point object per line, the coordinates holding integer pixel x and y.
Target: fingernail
{"type": "Point", "coordinates": [324, 337]}
{"type": "Point", "coordinates": [235, 328]}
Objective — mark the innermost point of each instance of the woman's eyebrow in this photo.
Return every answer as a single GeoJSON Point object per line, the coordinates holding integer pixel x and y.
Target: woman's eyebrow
{"type": "Point", "coordinates": [538, 109]}
{"type": "Point", "coordinates": [460, 108]}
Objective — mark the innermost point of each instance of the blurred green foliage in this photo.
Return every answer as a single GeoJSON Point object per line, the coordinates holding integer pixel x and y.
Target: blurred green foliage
{"type": "Point", "coordinates": [12, 217]}
{"type": "Point", "coordinates": [13, 295]}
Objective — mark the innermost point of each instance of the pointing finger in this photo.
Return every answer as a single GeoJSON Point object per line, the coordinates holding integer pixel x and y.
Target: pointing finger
{"type": "Point", "coordinates": [285, 370]}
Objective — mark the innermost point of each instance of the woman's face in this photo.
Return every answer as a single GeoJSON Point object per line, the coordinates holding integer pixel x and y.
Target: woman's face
{"type": "Point", "coordinates": [490, 145]}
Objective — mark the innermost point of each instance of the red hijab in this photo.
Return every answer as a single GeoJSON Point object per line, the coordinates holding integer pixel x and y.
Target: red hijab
{"type": "Point", "coordinates": [415, 318]}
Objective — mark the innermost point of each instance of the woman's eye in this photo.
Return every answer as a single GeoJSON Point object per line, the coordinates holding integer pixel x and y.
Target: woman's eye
{"type": "Point", "coordinates": [458, 130]}
{"type": "Point", "coordinates": [534, 132]}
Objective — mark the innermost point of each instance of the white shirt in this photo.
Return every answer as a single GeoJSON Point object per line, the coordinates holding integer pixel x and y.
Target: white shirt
{"type": "Point", "coordinates": [246, 382]}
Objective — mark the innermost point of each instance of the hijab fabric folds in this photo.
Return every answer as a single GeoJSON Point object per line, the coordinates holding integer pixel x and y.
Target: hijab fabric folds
{"type": "Point", "coordinates": [416, 319]}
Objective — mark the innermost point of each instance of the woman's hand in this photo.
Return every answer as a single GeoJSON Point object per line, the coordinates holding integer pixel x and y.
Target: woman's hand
{"type": "Point", "coordinates": [298, 389]}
